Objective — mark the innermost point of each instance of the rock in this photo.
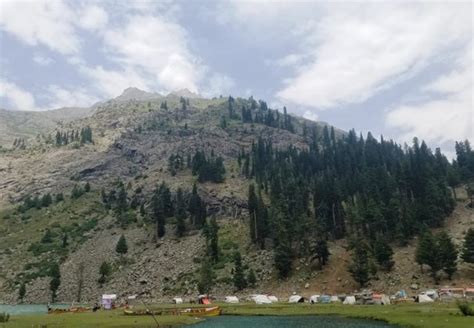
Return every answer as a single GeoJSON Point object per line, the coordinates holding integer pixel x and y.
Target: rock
{"type": "Point", "coordinates": [306, 285]}
{"type": "Point", "coordinates": [414, 286]}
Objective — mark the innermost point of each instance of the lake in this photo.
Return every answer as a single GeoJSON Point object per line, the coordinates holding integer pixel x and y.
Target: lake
{"type": "Point", "coordinates": [228, 321]}
{"type": "Point", "coordinates": [24, 309]}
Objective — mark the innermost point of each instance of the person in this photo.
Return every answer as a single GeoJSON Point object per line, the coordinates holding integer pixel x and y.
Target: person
{"type": "Point", "coordinates": [96, 307]}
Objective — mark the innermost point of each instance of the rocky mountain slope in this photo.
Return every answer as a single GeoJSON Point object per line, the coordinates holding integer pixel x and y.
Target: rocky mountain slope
{"type": "Point", "coordinates": [134, 136]}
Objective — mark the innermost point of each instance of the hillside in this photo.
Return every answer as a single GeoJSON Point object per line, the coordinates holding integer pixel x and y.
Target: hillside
{"type": "Point", "coordinates": [133, 138]}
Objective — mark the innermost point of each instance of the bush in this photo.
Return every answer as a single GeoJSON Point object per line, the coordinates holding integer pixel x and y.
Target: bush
{"type": "Point", "coordinates": [4, 317]}
{"type": "Point", "coordinates": [465, 309]}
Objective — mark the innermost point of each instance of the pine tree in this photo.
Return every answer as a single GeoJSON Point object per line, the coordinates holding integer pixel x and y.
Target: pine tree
{"type": "Point", "coordinates": [383, 253]}
{"type": "Point", "coordinates": [252, 204]}
{"type": "Point", "coordinates": [121, 247]}
{"type": "Point", "coordinates": [87, 187]}
{"type": "Point", "coordinates": [468, 247]}
{"type": "Point", "coordinates": [213, 240]}
{"type": "Point", "coordinates": [55, 281]}
{"type": "Point", "coordinates": [321, 252]}
{"type": "Point", "coordinates": [22, 292]}
{"type": "Point", "coordinates": [283, 259]}
{"type": "Point", "coordinates": [425, 249]}
{"type": "Point", "coordinates": [251, 278]}
{"type": "Point", "coordinates": [65, 241]}
{"type": "Point", "coordinates": [448, 254]}
{"type": "Point", "coordinates": [359, 268]}
{"type": "Point", "coordinates": [59, 197]}
{"type": "Point", "coordinates": [238, 276]}
{"type": "Point", "coordinates": [206, 277]}
{"type": "Point", "coordinates": [47, 237]}
{"type": "Point", "coordinates": [46, 200]}
{"type": "Point", "coordinates": [180, 213]}
{"type": "Point", "coordinates": [105, 270]}
{"type": "Point", "coordinates": [121, 204]}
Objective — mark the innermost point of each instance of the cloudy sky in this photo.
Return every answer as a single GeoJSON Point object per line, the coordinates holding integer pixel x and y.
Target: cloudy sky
{"type": "Point", "coordinates": [394, 68]}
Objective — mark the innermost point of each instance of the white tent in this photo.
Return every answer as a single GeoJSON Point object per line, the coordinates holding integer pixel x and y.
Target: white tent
{"type": "Point", "coordinates": [335, 299]}
{"type": "Point", "coordinates": [314, 299]}
{"type": "Point", "coordinates": [231, 299]}
{"type": "Point", "coordinates": [261, 299]}
{"type": "Point", "coordinates": [433, 294]}
{"type": "Point", "coordinates": [296, 299]}
{"type": "Point", "coordinates": [424, 299]}
{"type": "Point", "coordinates": [177, 300]}
{"type": "Point", "coordinates": [385, 300]}
{"type": "Point", "coordinates": [273, 298]}
{"type": "Point", "coordinates": [350, 300]}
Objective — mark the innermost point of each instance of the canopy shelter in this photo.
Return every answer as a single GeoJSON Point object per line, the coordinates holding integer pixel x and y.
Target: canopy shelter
{"type": "Point", "coordinates": [108, 301]}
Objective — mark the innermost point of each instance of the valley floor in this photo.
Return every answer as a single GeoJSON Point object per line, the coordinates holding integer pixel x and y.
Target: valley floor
{"type": "Point", "coordinates": [407, 315]}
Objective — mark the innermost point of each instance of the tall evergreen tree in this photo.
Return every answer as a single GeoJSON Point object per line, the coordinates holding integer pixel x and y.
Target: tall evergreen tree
{"type": "Point", "coordinates": [180, 213]}
{"type": "Point", "coordinates": [359, 268]}
{"type": "Point", "coordinates": [121, 247]}
{"type": "Point", "coordinates": [55, 281]}
{"type": "Point", "coordinates": [206, 277]}
{"type": "Point", "coordinates": [468, 247]}
{"type": "Point", "coordinates": [383, 253]}
{"type": "Point", "coordinates": [238, 276]}
{"type": "Point", "coordinates": [448, 254]}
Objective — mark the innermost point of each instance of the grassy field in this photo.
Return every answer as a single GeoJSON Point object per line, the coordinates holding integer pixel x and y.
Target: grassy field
{"type": "Point", "coordinates": [407, 315]}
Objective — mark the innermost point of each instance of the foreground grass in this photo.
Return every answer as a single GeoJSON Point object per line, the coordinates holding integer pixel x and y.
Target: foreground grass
{"type": "Point", "coordinates": [105, 319]}
{"type": "Point", "coordinates": [406, 315]}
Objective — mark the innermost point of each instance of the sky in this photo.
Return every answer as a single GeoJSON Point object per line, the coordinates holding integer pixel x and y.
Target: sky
{"type": "Point", "coordinates": [401, 69]}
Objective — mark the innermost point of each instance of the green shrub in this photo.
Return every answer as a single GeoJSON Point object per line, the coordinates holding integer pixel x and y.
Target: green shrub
{"type": "Point", "coordinates": [465, 309]}
{"type": "Point", "coordinates": [4, 317]}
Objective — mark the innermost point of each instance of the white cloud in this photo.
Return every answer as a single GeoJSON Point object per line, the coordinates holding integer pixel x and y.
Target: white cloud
{"type": "Point", "coordinates": [157, 49]}
{"type": "Point", "coordinates": [446, 119]}
{"type": "Point", "coordinates": [16, 97]}
{"type": "Point", "coordinates": [93, 18]}
{"type": "Point", "coordinates": [309, 115]}
{"type": "Point", "coordinates": [78, 97]}
{"type": "Point", "coordinates": [356, 53]}
{"type": "Point", "coordinates": [218, 84]}
{"type": "Point", "coordinates": [110, 83]}
{"type": "Point", "coordinates": [49, 23]}
{"type": "Point", "coordinates": [42, 60]}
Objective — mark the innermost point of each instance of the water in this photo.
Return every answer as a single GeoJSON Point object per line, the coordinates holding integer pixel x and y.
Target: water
{"type": "Point", "coordinates": [23, 309]}
{"type": "Point", "coordinates": [227, 321]}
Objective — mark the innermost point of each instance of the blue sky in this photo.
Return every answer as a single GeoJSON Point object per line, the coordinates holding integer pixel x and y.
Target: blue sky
{"type": "Point", "coordinates": [397, 68]}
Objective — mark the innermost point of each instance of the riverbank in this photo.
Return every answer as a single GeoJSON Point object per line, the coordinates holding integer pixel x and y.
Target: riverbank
{"type": "Point", "coordinates": [406, 315]}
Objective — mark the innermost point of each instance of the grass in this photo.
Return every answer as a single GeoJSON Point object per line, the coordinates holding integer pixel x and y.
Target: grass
{"type": "Point", "coordinates": [106, 319]}
{"type": "Point", "coordinates": [405, 315]}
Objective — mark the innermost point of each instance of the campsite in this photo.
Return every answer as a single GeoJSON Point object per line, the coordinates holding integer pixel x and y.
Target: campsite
{"type": "Point", "coordinates": [429, 308]}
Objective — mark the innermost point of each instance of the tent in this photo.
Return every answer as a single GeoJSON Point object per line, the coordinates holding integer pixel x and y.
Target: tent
{"type": "Point", "coordinates": [261, 299]}
{"type": "Point", "coordinates": [324, 299]}
{"type": "Point", "coordinates": [231, 299]}
{"type": "Point", "coordinates": [424, 299]}
{"type": "Point", "coordinates": [108, 301]}
{"type": "Point", "coordinates": [177, 300]}
{"type": "Point", "coordinates": [433, 294]}
{"type": "Point", "coordinates": [350, 300]}
{"type": "Point", "coordinates": [273, 298]}
{"type": "Point", "coordinates": [296, 299]}
{"type": "Point", "coordinates": [314, 299]}
{"type": "Point", "coordinates": [335, 299]}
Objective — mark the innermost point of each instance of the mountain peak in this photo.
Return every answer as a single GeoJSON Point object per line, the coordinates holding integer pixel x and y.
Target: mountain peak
{"type": "Point", "coordinates": [186, 93]}
{"type": "Point", "coordinates": [132, 93]}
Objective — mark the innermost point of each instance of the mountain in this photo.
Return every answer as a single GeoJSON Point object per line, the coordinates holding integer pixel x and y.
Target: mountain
{"type": "Point", "coordinates": [189, 183]}
{"type": "Point", "coordinates": [28, 124]}
{"type": "Point", "coordinates": [137, 94]}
